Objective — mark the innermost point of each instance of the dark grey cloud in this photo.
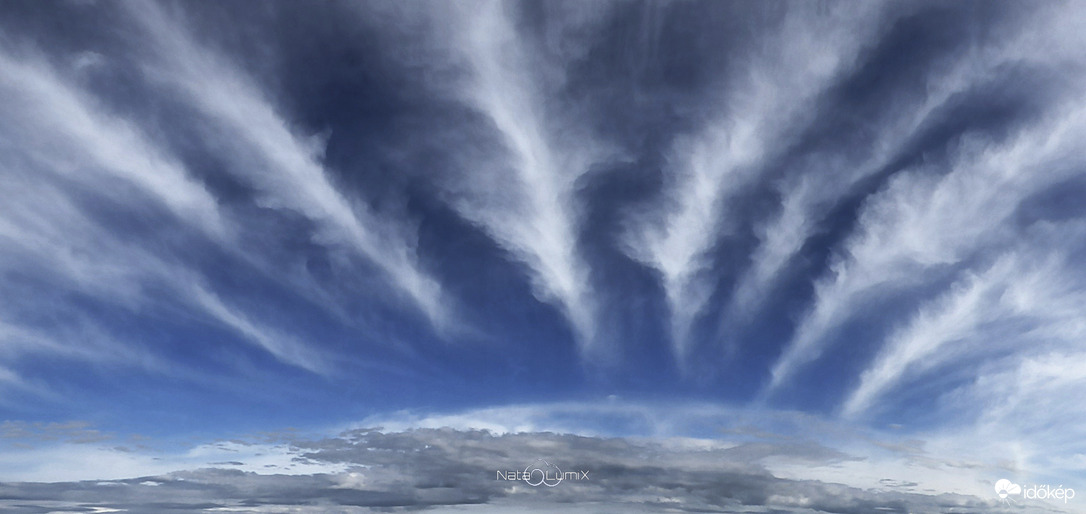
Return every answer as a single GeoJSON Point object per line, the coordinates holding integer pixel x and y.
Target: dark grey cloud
{"type": "Point", "coordinates": [443, 468]}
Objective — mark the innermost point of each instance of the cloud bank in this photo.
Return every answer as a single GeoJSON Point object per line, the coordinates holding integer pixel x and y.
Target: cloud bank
{"type": "Point", "coordinates": [446, 470]}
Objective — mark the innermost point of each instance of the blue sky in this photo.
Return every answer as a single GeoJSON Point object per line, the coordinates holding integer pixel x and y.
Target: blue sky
{"type": "Point", "coordinates": [631, 219]}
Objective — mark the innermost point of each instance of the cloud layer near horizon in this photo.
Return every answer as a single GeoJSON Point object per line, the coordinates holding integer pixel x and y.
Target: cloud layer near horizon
{"type": "Point", "coordinates": [445, 469]}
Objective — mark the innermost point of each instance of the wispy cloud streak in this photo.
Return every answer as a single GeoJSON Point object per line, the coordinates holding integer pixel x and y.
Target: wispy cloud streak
{"type": "Point", "coordinates": [60, 136]}
{"type": "Point", "coordinates": [1023, 304]}
{"type": "Point", "coordinates": [772, 95]}
{"type": "Point", "coordinates": [924, 221]}
{"type": "Point", "coordinates": [86, 143]}
{"type": "Point", "coordinates": [527, 200]}
{"type": "Point", "coordinates": [284, 166]}
{"type": "Point", "coordinates": [54, 240]}
{"type": "Point", "coordinates": [826, 177]}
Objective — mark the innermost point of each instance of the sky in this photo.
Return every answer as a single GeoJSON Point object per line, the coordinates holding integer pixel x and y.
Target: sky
{"type": "Point", "coordinates": [801, 256]}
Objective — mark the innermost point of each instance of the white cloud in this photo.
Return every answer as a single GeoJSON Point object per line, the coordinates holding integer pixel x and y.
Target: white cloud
{"type": "Point", "coordinates": [283, 165]}
{"type": "Point", "coordinates": [64, 137]}
{"type": "Point", "coordinates": [1023, 304]}
{"type": "Point", "coordinates": [615, 417]}
{"type": "Point", "coordinates": [952, 319]}
{"type": "Point", "coordinates": [924, 222]}
{"type": "Point", "coordinates": [63, 129]}
{"type": "Point", "coordinates": [75, 462]}
{"type": "Point", "coordinates": [526, 199]}
{"type": "Point", "coordinates": [771, 95]}
{"type": "Point", "coordinates": [826, 176]}
{"type": "Point", "coordinates": [287, 349]}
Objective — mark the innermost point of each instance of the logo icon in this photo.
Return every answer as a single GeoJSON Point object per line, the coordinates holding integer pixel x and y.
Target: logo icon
{"type": "Point", "coordinates": [542, 472]}
{"type": "Point", "coordinates": [1005, 488]}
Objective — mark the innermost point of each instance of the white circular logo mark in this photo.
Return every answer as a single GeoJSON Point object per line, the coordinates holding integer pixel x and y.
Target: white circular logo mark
{"type": "Point", "coordinates": [542, 472]}
{"type": "Point", "coordinates": [1004, 487]}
